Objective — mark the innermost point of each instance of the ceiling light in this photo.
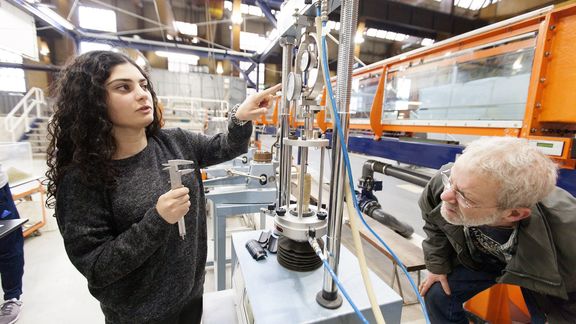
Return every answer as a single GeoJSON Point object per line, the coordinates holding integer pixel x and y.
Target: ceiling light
{"type": "Point", "coordinates": [44, 50]}
{"type": "Point", "coordinates": [219, 68]}
{"type": "Point", "coordinates": [371, 32]}
{"type": "Point", "coordinates": [140, 61]}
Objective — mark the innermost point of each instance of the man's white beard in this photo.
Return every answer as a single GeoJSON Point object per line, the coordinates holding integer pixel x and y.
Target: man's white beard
{"type": "Point", "coordinates": [462, 220]}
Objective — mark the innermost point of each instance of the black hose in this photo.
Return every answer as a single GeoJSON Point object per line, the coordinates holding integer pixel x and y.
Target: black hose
{"type": "Point", "coordinates": [391, 222]}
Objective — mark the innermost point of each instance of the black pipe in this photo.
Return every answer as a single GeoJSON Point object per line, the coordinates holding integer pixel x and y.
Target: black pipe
{"type": "Point", "coordinates": [368, 203]}
{"type": "Point", "coordinates": [390, 221]}
{"type": "Point", "coordinates": [407, 175]}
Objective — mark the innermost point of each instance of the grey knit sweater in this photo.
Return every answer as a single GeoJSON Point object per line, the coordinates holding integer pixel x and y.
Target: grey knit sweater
{"type": "Point", "coordinates": [136, 264]}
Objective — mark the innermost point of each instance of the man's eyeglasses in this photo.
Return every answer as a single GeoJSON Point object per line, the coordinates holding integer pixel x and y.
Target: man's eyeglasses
{"type": "Point", "coordinates": [462, 201]}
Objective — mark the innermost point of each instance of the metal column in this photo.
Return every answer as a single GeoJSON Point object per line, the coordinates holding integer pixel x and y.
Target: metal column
{"type": "Point", "coordinates": [348, 21]}
{"type": "Point", "coordinates": [287, 44]}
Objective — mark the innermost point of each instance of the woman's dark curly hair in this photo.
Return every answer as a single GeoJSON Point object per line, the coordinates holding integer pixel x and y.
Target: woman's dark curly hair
{"type": "Point", "coordinates": [80, 131]}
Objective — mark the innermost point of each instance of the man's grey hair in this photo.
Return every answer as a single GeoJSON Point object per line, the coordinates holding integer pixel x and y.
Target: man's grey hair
{"type": "Point", "coordinates": [524, 174]}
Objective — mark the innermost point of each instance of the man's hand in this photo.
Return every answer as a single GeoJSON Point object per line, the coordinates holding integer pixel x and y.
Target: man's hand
{"type": "Point", "coordinates": [257, 104]}
{"type": "Point", "coordinates": [173, 205]}
{"type": "Point", "coordinates": [431, 279]}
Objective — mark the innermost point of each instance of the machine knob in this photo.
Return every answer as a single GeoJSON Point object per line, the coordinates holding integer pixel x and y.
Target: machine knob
{"type": "Point", "coordinates": [271, 207]}
{"type": "Point", "coordinates": [321, 215]}
{"type": "Point", "coordinates": [280, 212]}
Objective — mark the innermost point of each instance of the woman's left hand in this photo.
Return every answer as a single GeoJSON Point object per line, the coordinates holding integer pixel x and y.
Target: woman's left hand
{"type": "Point", "coordinates": [256, 104]}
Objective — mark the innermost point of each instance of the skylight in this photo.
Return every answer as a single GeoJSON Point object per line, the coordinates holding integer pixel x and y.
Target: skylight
{"type": "Point", "coordinates": [97, 19]}
{"type": "Point", "coordinates": [384, 34]}
{"type": "Point", "coordinates": [472, 4]}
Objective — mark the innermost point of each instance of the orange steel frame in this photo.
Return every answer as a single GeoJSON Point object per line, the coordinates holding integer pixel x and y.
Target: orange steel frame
{"type": "Point", "coordinates": [548, 102]}
{"type": "Point", "coordinates": [31, 189]}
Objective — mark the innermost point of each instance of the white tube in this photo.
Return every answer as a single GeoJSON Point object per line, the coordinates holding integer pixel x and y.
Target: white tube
{"type": "Point", "coordinates": [361, 257]}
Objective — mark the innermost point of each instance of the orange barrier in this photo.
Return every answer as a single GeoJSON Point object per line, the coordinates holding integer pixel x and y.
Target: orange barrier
{"type": "Point", "coordinates": [500, 304]}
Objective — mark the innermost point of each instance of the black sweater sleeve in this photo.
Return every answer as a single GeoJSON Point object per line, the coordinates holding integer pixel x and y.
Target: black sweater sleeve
{"type": "Point", "coordinates": [211, 150]}
{"type": "Point", "coordinates": [93, 246]}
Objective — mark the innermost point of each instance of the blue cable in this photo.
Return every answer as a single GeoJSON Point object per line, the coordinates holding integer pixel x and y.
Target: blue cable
{"type": "Point", "coordinates": [339, 284]}
{"type": "Point", "coordinates": [351, 180]}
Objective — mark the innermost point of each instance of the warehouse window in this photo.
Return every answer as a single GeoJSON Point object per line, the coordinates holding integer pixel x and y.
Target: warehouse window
{"type": "Point", "coordinates": [252, 42]}
{"type": "Point", "coordinates": [180, 62]}
{"type": "Point", "coordinates": [12, 79]}
{"type": "Point", "coordinates": [97, 19]}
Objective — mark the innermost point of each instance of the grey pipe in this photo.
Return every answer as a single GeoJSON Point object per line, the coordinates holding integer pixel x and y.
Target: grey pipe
{"type": "Point", "coordinates": [283, 197]}
{"type": "Point", "coordinates": [348, 22]}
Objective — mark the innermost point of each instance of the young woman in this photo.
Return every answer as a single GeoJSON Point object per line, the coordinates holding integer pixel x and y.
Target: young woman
{"type": "Point", "coordinates": [113, 201]}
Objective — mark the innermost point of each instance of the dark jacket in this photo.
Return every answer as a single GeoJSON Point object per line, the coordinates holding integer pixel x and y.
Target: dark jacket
{"type": "Point", "coordinates": [136, 264]}
{"type": "Point", "coordinates": [545, 257]}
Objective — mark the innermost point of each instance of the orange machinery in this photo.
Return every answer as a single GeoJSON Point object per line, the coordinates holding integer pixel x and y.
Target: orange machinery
{"type": "Point", "coordinates": [509, 78]}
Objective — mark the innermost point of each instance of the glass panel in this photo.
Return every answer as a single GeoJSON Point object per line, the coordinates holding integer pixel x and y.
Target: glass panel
{"type": "Point", "coordinates": [362, 96]}
{"type": "Point", "coordinates": [482, 88]}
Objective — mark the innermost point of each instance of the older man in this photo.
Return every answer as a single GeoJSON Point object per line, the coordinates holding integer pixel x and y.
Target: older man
{"type": "Point", "coordinates": [496, 216]}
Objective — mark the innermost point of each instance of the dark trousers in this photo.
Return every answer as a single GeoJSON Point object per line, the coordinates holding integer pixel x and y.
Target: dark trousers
{"type": "Point", "coordinates": [465, 284]}
{"type": "Point", "coordinates": [11, 249]}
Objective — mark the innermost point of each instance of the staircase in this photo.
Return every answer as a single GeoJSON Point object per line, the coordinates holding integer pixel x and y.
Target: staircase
{"type": "Point", "coordinates": [37, 136]}
{"type": "Point", "coordinates": [28, 121]}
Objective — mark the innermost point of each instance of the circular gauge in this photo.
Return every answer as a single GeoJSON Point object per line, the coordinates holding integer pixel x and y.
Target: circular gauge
{"type": "Point", "coordinates": [305, 60]}
{"type": "Point", "coordinates": [312, 77]}
{"type": "Point", "coordinates": [294, 86]}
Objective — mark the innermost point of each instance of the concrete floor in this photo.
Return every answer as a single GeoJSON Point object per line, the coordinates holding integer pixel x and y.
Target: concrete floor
{"type": "Point", "coordinates": [55, 292]}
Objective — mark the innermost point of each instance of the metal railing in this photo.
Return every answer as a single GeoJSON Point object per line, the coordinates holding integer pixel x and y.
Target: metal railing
{"type": "Point", "coordinates": [198, 112]}
{"type": "Point", "coordinates": [18, 120]}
